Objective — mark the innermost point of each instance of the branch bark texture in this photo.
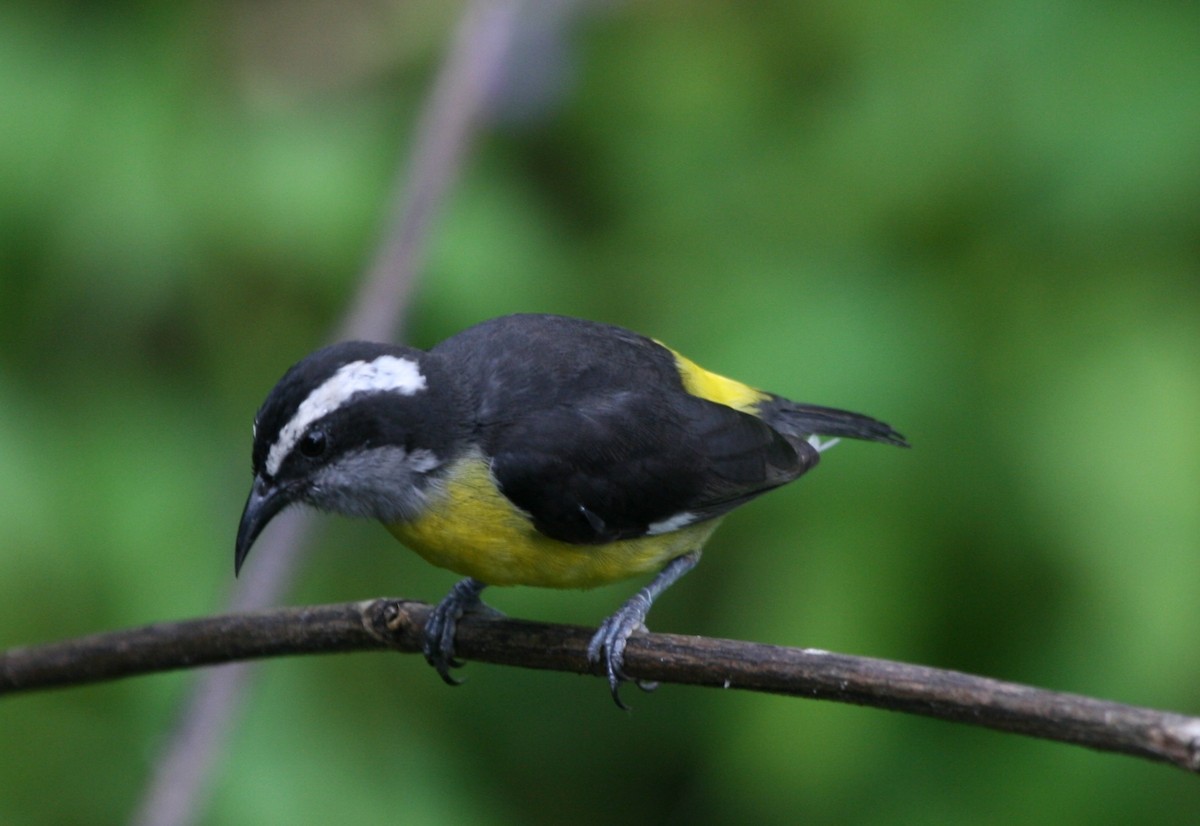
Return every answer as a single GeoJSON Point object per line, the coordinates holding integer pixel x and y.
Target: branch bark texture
{"type": "Point", "coordinates": [666, 658]}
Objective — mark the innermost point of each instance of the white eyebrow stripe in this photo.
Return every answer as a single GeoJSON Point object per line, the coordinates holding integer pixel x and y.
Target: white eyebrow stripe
{"type": "Point", "coordinates": [385, 374]}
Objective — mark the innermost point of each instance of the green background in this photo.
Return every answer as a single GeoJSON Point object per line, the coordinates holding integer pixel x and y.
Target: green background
{"type": "Point", "coordinates": [978, 221]}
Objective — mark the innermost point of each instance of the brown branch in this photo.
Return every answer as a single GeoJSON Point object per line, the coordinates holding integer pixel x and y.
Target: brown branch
{"type": "Point", "coordinates": [666, 658]}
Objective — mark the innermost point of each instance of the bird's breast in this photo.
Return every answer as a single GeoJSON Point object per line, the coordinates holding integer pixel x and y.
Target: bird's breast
{"type": "Point", "coordinates": [469, 527]}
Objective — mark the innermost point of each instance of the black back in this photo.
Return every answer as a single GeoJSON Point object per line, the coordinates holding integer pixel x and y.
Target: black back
{"type": "Point", "coordinates": [591, 432]}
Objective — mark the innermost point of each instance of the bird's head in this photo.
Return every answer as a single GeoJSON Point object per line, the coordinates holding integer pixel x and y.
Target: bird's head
{"type": "Point", "coordinates": [358, 428]}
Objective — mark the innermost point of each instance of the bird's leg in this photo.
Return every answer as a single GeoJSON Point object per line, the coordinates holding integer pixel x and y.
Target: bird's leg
{"type": "Point", "coordinates": [443, 622]}
{"type": "Point", "coordinates": [608, 644]}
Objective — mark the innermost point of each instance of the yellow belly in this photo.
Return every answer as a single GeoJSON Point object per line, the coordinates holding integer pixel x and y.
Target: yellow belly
{"type": "Point", "coordinates": [473, 530]}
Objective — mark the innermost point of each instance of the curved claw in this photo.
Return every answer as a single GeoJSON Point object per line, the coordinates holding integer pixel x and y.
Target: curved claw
{"type": "Point", "coordinates": [609, 641]}
{"type": "Point", "coordinates": [443, 623]}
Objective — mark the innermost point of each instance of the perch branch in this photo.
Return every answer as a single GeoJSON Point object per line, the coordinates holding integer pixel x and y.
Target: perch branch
{"type": "Point", "coordinates": [667, 658]}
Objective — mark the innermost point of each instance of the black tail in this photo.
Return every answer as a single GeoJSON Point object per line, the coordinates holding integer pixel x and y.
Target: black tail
{"type": "Point", "coordinates": [803, 420]}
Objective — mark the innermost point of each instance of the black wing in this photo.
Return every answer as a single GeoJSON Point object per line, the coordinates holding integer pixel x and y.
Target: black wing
{"type": "Point", "coordinates": [610, 466]}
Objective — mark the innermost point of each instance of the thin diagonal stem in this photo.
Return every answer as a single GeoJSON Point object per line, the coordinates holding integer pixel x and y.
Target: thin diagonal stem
{"type": "Point", "coordinates": [452, 114]}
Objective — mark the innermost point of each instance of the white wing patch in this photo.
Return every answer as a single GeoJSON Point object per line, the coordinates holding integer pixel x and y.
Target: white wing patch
{"type": "Point", "coordinates": [672, 523]}
{"type": "Point", "coordinates": [386, 374]}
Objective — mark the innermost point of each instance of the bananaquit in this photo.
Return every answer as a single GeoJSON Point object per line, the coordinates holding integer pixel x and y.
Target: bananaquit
{"type": "Point", "coordinates": [532, 450]}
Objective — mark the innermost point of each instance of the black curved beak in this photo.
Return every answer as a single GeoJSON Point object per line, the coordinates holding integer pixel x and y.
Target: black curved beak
{"type": "Point", "coordinates": [265, 501]}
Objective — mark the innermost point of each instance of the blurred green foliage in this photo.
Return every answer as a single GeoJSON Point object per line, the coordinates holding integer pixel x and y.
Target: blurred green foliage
{"type": "Point", "coordinates": [977, 221]}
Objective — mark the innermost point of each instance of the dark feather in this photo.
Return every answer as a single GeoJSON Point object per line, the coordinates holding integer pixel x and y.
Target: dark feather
{"type": "Point", "coordinates": [607, 468]}
{"type": "Point", "coordinates": [591, 432]}
{"type": "Point", "coordinates": [803, 420]}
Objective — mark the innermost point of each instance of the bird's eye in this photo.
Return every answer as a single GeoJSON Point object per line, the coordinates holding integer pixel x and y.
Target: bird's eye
{"type": "Point", "coordinates": [313, 443]}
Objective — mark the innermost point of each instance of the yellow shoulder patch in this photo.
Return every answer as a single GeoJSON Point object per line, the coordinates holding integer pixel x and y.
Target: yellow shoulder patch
{"type": "Point", "coordinates": [716, 388]}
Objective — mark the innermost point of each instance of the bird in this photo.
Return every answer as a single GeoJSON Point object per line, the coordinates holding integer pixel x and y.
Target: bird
{"type": "Point", "coordinates": [532, 449]}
